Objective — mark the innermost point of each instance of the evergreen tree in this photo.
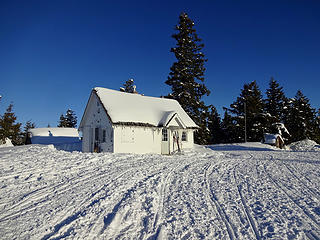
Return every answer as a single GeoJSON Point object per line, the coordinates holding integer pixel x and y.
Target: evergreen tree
{"type": "Point", "coordinates": [29, 125]}
{"type": "Point", "coordinates": [249, 106]}
{"type": "Point", "coordinates": [274, 104]}
{"type": "Point", "coordinates": [228, 125]}
{"type": "Point", "coordinates": [317, 135]}
{"type": "Point", "coordinates": [301, 119]}
{"type": "Point", "coordinates": [187, 76]}
{"type": "Point", "coordinates": [62, 121]}
{"type": "Point", "coordinates": [128, 86]}
{"type": "Point", "coordinates": [214, 126]}
{"type": "Point", "coordinates": [9, 128]}
{"type": "Point", "coordinates": [68, 120]}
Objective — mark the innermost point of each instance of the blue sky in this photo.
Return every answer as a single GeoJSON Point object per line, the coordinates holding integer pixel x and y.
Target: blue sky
{"type": "Point", "coordinates": [52, 53]}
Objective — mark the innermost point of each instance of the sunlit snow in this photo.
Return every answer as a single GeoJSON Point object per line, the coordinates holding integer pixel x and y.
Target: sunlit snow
{"type": "Point", "coordinates": [240, 191]}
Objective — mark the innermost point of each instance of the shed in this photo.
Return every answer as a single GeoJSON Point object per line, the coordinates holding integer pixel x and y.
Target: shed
{"type": "Point", "coordinates": [274, 140]}
{"type": "Point", "coordinates": [121, 122]}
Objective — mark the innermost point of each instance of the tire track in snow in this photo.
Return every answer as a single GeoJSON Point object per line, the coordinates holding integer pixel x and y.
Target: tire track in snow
{"type": "Point", "coordinates": [215, 204]}
{"type": "Point", "coordinates": [278, 186]}
{"type": "Point", "coordinates": [250, 219]}
{"type": "Point", "coordinates": [83, 211]}
{"type": "Point", "coordinates": [107, 220]}
{"type": "Point", "coordinates": [156, 226]}
{"type": "Point", "coordinates": [41, 196]}
{"type": "Point", "coordinates": [314, 193]}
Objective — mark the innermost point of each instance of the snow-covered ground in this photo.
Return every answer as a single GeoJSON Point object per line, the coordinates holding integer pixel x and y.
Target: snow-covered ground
{"type": "Point", "coordinates": [241, 191]}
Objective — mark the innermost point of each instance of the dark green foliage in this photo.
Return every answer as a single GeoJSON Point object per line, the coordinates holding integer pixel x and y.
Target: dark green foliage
{"type": "Point", "coordinates": [214, 126]}
{"type": "Point", "coordinates": [187, 76]}
{"type": "Point", "coordinates": [68, 120]}
{"type": "Point", "coordinates": [228, 125]}
{"type": "Point", "coordinates": [9, 128]}
{"type": "Point", "coordinates": [301, 119]}
{"type": "Point", "coordinates": [26, 128]}
{"type": "Point", "coordinates": [274, 104]}
{"type": "Point", "coordinates": [128, 86]}
{"type": "Point", "coordinates": [249, 105]}
{"type": "Point", "coordinates": [317, 128]}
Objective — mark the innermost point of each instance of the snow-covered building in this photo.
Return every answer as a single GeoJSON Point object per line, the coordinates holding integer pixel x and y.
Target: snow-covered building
{"type": "Point", "coordinates": [274, 140]}
{"type": "Point", "coordinates": [62, 138]}
{"type": "Point", "coordinates": [121, 122]}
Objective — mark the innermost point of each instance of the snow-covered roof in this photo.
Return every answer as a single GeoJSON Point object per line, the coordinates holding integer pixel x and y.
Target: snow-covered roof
{"type": "Point", "coordinates": [131, 108]}
{"type": "Point", "coordinates": [271, 138]}
{"type": "Point", "coordinates": [54, 132]}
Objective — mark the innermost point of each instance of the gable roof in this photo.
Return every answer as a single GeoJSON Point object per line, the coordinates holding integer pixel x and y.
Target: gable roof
{"type": "Point", "coordinates": [135, 109]}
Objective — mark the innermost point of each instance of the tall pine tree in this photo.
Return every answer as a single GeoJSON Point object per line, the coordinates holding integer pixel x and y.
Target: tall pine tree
{"type": "Point", "coordinates": [301, 119]}
{"type": "Point", "coordinates": [229, 128]}
{"type": "Point", "coordinates": [9, 128]}
{"type": "Point", "coordinates": [275, 101]}
{"type": "Point", "coordinates": [214, 126]}
{"type": "Point", "coordinates": [187, 76]}
{"type": "Point", "coordinates": [249, 109]}
{"type": "Point", "coordinates": [29, 125]}
{"type": "Point", "coordinates": [128, 86]}
{"type": "Point", "coordinates": [68, 120]}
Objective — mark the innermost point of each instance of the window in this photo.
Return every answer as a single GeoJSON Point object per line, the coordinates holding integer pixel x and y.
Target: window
{"type": "Point", "coordinates": [104, 135]}
{"type": "Point", "coordinates": [164, 134]}
{"type": "Point", "coordinates": [184, 136]}
{"type": "Point", "coordinates": [96, 134]}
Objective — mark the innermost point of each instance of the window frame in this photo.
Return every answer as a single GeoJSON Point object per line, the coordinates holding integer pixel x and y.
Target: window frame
{"type": "Point", "coordinates": [184, 136]}
{"type": "Point", "coordinates": [164, 134]}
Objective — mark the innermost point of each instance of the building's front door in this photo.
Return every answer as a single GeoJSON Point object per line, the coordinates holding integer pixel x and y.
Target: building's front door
{"type": "Point", "coordinates": [165, 142]}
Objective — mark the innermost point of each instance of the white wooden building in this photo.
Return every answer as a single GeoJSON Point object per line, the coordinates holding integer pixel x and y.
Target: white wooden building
{"type": "Point", "coordinates": [121, 122]}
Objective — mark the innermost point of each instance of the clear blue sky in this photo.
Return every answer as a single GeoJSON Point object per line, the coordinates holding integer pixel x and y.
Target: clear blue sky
{"type": "Point", "coordinates": [52, 53]}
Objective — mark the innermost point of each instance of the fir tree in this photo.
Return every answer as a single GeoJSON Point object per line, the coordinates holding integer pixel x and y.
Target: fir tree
{"type": "Point", "coordinates": [274, 104]}
{"type": "Point", "coordinates": [317, 131]}
{"type": "Point", "coordinates": [187, 75]}
{"type": "Point", "coordinates": [62, 121]}
{"type": "Point", "coordinates": [128, 86]}
{"type": "Point", "coordinates": [249, 109]}
{"type": "Point", "coordinates": [301, 118]}
{"type": "Point", "coordinates": [9, 128]}
{"type": "Point", "coordinates": [214, 126]}
{"type": "Point", "coordinates": [29, 125]}
{"type": "Point", "coordinates": [68, 120]}
{"type": "Point", "coordinates": [228, 125]}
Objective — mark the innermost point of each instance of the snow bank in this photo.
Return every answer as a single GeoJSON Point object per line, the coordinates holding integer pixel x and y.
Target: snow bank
{"type": "Point", "coordinates": [248, 146]}
{"type": "Point", "coordinates": [54, 132]}
{"type": "Point", "coordinates": [66, 139]}
{"type": "Point", "coordinates": [6, 144]}
{"type": "Point", "coordinates": [304, 145]}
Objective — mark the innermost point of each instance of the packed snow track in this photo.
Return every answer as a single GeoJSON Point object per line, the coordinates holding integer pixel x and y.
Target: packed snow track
{"type": "Point", "coordinates": [219, 192]}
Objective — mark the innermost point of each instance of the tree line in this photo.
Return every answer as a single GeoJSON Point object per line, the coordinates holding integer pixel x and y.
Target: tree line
{"type": "Point", "coordinates": [10, 128]}
{"type": "Point", "coordinates": [250, 115]}
{"type": "Point", "coordinates": [246, 119]}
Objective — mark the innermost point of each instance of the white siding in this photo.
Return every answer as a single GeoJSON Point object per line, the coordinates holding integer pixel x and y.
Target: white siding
{"type": "Point", "coordinates": [136, 139]}
{"type": "Point", "coordinates": [95, 117]}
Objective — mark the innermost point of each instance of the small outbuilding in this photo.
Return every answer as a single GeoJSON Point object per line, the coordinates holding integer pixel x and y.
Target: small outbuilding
{"type": "Point", "coordinates": [121, 122]}
{"type": "Point", "coordinates": [62, 138]}
{"type": "Point", "coordinates": [274, 140]}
